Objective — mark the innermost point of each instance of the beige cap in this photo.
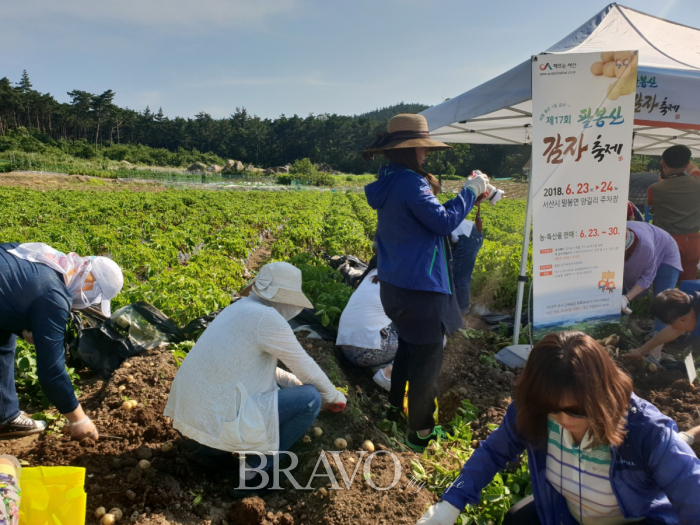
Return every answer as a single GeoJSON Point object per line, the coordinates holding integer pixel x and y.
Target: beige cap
{"type": "Point", "coordinates": [279, 282]}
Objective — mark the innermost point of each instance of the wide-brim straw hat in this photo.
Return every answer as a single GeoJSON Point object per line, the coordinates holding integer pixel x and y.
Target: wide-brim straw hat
{"type": "Point", "coordinates": [279, 282]}
{"type": "Point", "coordinates": [405, 131]}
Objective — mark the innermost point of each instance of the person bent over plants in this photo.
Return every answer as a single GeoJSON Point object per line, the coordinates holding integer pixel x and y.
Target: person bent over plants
{"type": "Point", "coordinates": [416, 282]}
{"type": "Point", "coordinates": [229, 395]}
{"type": "Point", "coordinates": [597, 453]}
{"type": "Point", "coordinates": [38, 288]}
{"type": "Point", "coordinates": [366, 336]}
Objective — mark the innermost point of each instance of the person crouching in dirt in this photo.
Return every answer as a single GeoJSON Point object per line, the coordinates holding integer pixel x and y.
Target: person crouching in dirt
{"type": "Point", "coordinates": [651, 258]}
{"type": "Point", "coordinates": [366, 336]}
{"type": "Point", "coordinates": [229, 395]}
{"type": "Point", "coordinates": [38, 288]}
{"type": "Point", "coordinates": [416, 285]}
{"type": "Point", "coordinates": [597, 453]}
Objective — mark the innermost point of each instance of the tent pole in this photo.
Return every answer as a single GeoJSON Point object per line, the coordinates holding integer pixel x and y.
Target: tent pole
{"type": "Point", "coordinates": [522, 276]}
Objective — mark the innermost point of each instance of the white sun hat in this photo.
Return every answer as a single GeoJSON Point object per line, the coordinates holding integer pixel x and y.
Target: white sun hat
{"type": "Point", "coordinates": [110, 280]}
{"type": "Point", "coordinates": [279, 282]}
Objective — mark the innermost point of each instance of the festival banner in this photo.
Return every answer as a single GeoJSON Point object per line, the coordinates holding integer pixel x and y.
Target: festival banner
{"type": "Point", "coordinates": [583, 109]}
{"type": "Point", "coordinates": [667, 98]}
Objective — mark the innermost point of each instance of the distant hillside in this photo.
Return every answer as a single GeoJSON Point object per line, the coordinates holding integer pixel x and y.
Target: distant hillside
{"type": "Point", "coordinates": [384, 114]}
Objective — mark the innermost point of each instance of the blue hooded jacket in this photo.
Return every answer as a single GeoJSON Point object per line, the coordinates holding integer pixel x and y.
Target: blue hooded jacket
{"type": "Point", "coordinates": [654, 473]}
{"type": "Point", "coordinates": [411, 229]}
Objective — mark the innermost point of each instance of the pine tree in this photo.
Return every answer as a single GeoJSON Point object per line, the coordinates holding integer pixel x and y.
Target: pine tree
{"type": "Point", "coordinates": [25, 85]}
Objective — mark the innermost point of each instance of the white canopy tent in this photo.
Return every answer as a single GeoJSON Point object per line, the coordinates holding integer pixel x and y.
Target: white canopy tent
{"type": "Point", "coordinates": [500, 111]}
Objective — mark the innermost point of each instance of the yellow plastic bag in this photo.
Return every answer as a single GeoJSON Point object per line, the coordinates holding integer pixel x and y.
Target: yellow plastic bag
{"type": "Point", "coordinates": [53, 496]}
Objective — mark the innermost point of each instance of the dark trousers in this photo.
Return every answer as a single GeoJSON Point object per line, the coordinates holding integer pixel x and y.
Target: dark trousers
{"type": "Point", "coordinates": [522, 513]}
{"type": "Point", "coordinates": [419, 365]}
{"type": "Point", "coordinates": [9, 404]}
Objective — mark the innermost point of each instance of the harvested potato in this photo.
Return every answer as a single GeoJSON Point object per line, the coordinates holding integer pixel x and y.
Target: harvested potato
{"type": "Point", "coordinates": [368, 446]}
{"type": "Point", "coordinates": [167, 447]}
{"type": "Point", "coordinates": [99, 512]}
{"type": "Point", "coordinates": [609, 69]}
{"type": "Point", "coordinates": [340, 444]}
{"type": "Point", "coordinates": [306, 439]}
{"type": "Point", "coordinates": [652, 368]}
{"type": "Point", "coordinates": [126, 365]}
{"type": "Point", "coordinates": [134, 403]}
{"type": "Point", "coordinates": [122, 388]}
{"type": "Point", "coordinates": [597, 68]}
{"type": "Point", "coordinates": [126, 405]}
{"type": "Point", "coordinates": [144, 464]}
{"type": "Point", "coordinates": [108, 519]}
{"type": "Point", "coordinates": [130, 378]}
{"type": "Point", "coordinates": [318, 432]}
{"type": "Point", "coordinates": [117, 512]}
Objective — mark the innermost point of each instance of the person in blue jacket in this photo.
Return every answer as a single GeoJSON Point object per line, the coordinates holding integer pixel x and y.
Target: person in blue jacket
{"type": "Point", "coordinates": [416, 285]}
{"type": "Point", "coordinates": [597, 453]}
{"type": "Point", "coordinates": [38, 288]}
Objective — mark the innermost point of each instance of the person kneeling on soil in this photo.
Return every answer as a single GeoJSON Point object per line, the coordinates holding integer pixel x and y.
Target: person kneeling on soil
{"type": "Point", "coordinates": [597, 453]}
{"type": "Point", "coordinates": [679, 310]}
{"type": "Point", "coordinates": [38, 288]}
{"type": "Point", "coordinates": [651, 257]}
{"type": "Point", "coordinates": [366, 336]}
{"type": "Point", "coordinates": [226, 396]}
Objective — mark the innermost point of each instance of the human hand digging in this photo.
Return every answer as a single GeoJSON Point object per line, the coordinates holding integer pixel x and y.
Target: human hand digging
{"type": "Point", "coordinates": [634, 355]}
{"type": "Point", "coordinates": [79, 426]}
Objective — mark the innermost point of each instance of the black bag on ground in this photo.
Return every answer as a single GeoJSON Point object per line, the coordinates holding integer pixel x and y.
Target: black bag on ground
{"type": "Point", "coordinates": [103, 343]}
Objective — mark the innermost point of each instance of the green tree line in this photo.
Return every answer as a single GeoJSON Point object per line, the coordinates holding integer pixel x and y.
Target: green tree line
{"type": "Point", "coordinates": [91, 125]}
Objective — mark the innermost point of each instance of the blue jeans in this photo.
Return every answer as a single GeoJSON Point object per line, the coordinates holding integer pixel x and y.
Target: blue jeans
{"type": "Point", "coordinates": [297, 409]}
{"type": "Point", "coordinates": [463, 261]}
{"type": "Point", "coordinates": [9, 404]}
{"type": "Point", "coordinates": [666, 279]}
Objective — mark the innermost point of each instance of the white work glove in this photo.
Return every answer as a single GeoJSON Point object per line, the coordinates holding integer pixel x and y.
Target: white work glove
{"type": "Point", "coordinates": [442, 513]}
{"type": "Point", "coordinates": [625, 308]}
{"type": "Point", "coordinates": [477, 183]}
{"type": "Point", "coordinates": [338, 404]}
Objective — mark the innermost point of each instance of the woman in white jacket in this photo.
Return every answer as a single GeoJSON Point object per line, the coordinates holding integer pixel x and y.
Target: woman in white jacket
{"type": "Point", "coordinates": [230, 396]}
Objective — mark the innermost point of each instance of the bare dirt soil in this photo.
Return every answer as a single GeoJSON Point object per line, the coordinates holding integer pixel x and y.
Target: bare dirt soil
{"type": "Point", "coordinates": [176, 490]}
{"type": "Point", "coordinates": [57, 181]}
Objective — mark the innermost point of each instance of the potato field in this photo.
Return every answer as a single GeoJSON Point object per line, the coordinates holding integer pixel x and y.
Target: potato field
{"type": "Point", "coordinates": [188, 252]}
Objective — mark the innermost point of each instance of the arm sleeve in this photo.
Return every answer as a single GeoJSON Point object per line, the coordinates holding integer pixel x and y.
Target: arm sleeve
{"type": "Point", "coordinates": [438, 218]}
{"type": "Point", "coordinates": [285, 379]}
{"type": "Point", "coordinates": [277, 338]}
{"type": "Point", "coordinates": [676, 469]}
{"type": "Point", "coordinates": [501, 447]}
{"type": "Point", "coordinates": [650, 197]}
{"type": "Point", "coordinates": [649, 272]}
{"type": "Point", "coordinates": [48, 317]}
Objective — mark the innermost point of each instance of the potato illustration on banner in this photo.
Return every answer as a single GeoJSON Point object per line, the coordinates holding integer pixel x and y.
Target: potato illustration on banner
{"type": "Point", "coordinates": [620, 65]}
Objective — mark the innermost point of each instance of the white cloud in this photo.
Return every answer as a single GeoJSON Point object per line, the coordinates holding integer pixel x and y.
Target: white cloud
{"type": "Point", "coordinates": [194, 13]}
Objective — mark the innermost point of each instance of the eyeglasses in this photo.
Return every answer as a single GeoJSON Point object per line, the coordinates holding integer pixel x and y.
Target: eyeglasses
{"type": "Point", "coordinates": [576, 413]}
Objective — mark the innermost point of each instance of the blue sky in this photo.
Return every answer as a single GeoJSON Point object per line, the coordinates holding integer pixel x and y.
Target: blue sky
{"type": "Point", "coordinates": [284, 56]}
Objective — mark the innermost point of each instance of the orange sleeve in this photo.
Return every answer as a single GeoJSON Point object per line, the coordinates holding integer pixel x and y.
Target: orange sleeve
{"type": "Point", "coordinates": [650, 196]}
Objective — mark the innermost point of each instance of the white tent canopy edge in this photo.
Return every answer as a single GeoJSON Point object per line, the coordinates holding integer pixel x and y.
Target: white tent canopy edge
{"type": "Point", "coordinates": [499, 111]}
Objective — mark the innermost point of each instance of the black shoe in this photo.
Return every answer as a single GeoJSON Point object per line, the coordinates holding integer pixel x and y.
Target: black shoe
{"type": "Point", "coordinates": [22, 425]}
{"type": "Point", "coordinates": [418, 444]}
